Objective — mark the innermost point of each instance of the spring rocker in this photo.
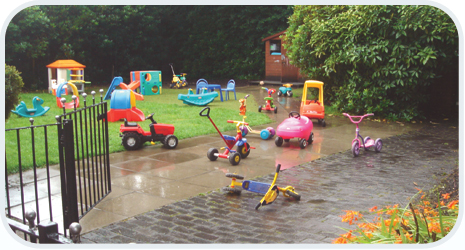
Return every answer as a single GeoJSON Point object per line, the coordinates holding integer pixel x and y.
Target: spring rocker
{"type": "Point", "coordinates": [123, 106]}
{"type": "Point", "coordinates": [270, 191]}
{"type": "Point", "coordinates": [37, 109]}
{"type": "Point", "coordinates": [60, 91]}
{"type": "Point", "coordinates": [201, 99]}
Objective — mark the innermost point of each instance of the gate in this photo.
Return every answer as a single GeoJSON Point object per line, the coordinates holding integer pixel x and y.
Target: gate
{"type": "Point", "coordinates": [82, 144]}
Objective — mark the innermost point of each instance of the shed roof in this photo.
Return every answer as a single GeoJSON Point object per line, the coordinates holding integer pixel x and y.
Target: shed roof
{"type": "Point", "coordinates": [68, 63]}
{"type": "Point", "coordinates": [273, 36]}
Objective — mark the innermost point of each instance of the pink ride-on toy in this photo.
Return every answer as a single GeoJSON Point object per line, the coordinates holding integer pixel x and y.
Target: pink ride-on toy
{"type": "Point", "coordinates": [295, 126]}
{"type": "Point", "coordinates": [365, 143]}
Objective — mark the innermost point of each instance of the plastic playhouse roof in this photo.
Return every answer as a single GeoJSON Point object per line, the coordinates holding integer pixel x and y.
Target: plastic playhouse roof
{"type": "Point", "coordinates": [65, 64]}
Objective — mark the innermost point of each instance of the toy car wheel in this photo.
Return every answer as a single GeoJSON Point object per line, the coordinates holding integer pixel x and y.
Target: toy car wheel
{"type": "Point", "coordinates": [231, 175]}
{"type": "Point", "coordinates": [170, 141]}
{"type": "Point", "coordinates": [244, 130]}
{"type": "Point", "coordinates": [259, 108]}
{"type": "Point", "coordinates": [323, 123]}
{"type": "Point", "coordinates": [275, 109]}
{"type": "Point", "coordinates": [272, 131]}
{"type": "Point", "coordinates": [243, 151]}
{"type": "Point", "coordinates": [278, 141]}
{"type": "Point", "coordinates": [265, 134]}
{"type": "Point", "coordinates": [355, 148]}
{"type": "Point", "coordinates": [378, 145]}
{"type": "Point", "coordinates": [289, 193]}
{"type": "Point", "coordinates": [280, 93]}
{"type": "Point", "coordinates": [303, 143]}
{"type": "Point", "coordinates": [289, 93]}
{"type": "Point", "coordinates": [234, 158]}
{"type": "Point", "coordinates": [211, 154]}
{"type": "Point", "coordinates": [310, 138]}
{"type": "Point", "coordinates": [131, 141]}
{"type": "Point", "coordinates": [232, 190]}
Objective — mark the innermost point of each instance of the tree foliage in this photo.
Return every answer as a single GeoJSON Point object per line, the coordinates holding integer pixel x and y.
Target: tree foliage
{"type": "Point", "coordinates": [378, 59]}
{"type": "Point", "coordinates": [202, 41]}
{"type": "Point", "coordinates": [13, 85]}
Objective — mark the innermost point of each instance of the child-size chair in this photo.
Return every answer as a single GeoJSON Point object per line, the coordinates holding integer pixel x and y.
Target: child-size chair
{"type": "Point", "coordinates": [201, 83]}
{"type": "Point", "coordinates": [231, 86]}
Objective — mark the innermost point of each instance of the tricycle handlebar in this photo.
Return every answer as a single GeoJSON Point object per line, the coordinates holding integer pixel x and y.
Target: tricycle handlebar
{"type": "Point", "coordinates": [360, 117]}
{"type": "Point", "coordinates": [208, 112]}
{"type": "Point", "coordinates": [238, 122]}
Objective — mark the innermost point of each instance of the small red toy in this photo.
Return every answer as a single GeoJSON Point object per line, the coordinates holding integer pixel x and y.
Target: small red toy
{"type": "Point", "coordinates": [269, 101]}
{"type": "Point", "coordinates": [133, 136]}
{"type": "Point", "coordinates": [295, 126]}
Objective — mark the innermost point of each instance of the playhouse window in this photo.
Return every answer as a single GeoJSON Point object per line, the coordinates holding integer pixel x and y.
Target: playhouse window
{"type": "Point", "coordinates": [275, 47]}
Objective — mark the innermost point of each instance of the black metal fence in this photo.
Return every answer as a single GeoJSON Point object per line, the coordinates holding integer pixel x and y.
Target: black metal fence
{"type": "Point", "coordinates": [83, 174]}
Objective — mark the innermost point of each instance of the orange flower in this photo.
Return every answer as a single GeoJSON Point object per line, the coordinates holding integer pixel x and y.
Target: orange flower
{"type": "Point", "coordinates": [373, 209]}
{"type": "Point", "coordinates": [419, 190]}
{"type": "Point", "coordinates": [452, 204]}
{"type": "Point", "coordinates": [350, 216]}
{"type": "Point", "coordinates": [446, 196]}
{"type": "Point", "coordinates": [442, 203]}
{"type": "Point", "coordinates": [340, 240]}
{"type": "Point", "coordinates": [426, 203]}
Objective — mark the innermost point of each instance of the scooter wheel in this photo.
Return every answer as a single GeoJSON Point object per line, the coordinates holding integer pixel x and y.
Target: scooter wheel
{"type": "Point", "coordinates": [289, 193]}
{"type": "Point", "coordinates": [234, 158]}
{"type": "Point", "coordinates": [378, 145]}
{"type": "Point", "coordinates": [303, 143]}
{"type": "Point", "coordinates": [170, 141]}
{"type": "Point", "coordinates": [272, 131]}
{"type": "Point", "coordinates": [131, 141]}
{"type": "Point", "coordinates": [278, 141]}
{"type": "Point", "coordinates": [365, 141]}
{"type": "Point", "coordinates": [211, 154]}
{"type": "Point", "coordinates": [355, 148]}
{"type": "Point", "coordinates": [244, 130]}
{"type": "Point", "coordinates": [265, 134]}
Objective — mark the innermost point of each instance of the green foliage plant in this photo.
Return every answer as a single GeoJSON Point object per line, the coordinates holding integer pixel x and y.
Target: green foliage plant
{"type": "Point", "coordinates": [13, 84]}
{"type": "Point", "coordinates": [374, 59]}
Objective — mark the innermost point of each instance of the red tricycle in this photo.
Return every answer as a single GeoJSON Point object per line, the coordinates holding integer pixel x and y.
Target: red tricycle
{"type": "Point", "coordinates": [364, 143]}
{"type": "Point", "coordinates": [133, 136]}
{"type": "Point", "coordinates": [295, 126]}
{"type": "Point", "coordinates": [243, 147]}
{"type": "Point", "coordinates": [269, 102]}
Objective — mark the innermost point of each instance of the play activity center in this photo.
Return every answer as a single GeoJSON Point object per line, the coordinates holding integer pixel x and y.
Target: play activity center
{"type": "Point", "coordinates": [69, 71]}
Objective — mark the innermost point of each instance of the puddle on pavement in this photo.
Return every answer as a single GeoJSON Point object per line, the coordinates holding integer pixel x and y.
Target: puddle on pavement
{"type": "Point", "coordinates": [316, 201]}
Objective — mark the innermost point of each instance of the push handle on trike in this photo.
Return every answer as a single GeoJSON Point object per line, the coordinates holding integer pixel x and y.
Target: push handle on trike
{"type": "Point", "coordinates": [208, 112]}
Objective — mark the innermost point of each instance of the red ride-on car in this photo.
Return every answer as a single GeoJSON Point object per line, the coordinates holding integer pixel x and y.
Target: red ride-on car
{"type": "Point", "coordinates": [133, 136]}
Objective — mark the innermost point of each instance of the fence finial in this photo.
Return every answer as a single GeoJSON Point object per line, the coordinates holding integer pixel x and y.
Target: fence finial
{"type": "Point", "coordinates": [101, 95]}
{"type": "Point", "coordinates": [93, 96]}
{"type": "Point", "coordinates": [30, 217]}
{"type": "Point", "coordinates": [84, 95]}
{"type": "Point", "coordinates": [63, 100]}
{"type": "Point", "coordinates": [74, 101]}
{"type": "Point", "coordinates": [31, 120]}
{"type": "Point", "coordinates": [75, 232]}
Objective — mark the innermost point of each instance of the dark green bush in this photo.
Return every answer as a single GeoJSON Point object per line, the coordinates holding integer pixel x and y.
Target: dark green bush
{"type": "Point", "coordinates": [13, 84]}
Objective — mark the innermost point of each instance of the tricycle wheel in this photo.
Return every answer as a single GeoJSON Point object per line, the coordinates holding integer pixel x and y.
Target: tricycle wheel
{"type": "Point", "coordinates": [231, 175]}
{"type": "Point", "coordinates": [244, 130]}
{"type": "Point", "coordinates": [232, 190]}
{"type": "Point", "coordinates": [275, 109]}
{"type": "Point", "coordinates": [278, 141]}
{"type": "Point", "coordinates": [272, 131]}
{"type": "Point", "coordinates": [265, 134]}
{"type": "Point", "coordinates": [323, 123]}
{"type": "Point", "coordinates": [365, 141]}
{"type": "Point", "coordinates": [378, 145]}
{"type": "Point", "coordinates": [289, 193]}
{"type": "Point", "coordinates": [310, 138]}
{"type": "Point", "coordinates": [235, 158]}
{"type": "Point", "coordinates": [260, 108]}
{"type": "Point", "coordinates": [131, 141]}
{"type": "Point", "coordinates": [170, 141]}
{"type": "Point", "coordinates": [355, 148]}
{"type": "Point", "coordinates": [280, 93]}
{"type": "Point", "coordinates": [289, 93]}
{"type": "Point", "coordinates": [303, 143]}
{"type": "Point", "coordinates": [211, 154]}
{"type": "Point", "coordinates": [243, 150]}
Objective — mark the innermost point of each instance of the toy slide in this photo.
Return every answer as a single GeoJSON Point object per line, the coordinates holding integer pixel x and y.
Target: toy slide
{"type": "Point", "coordinates": [118, 81]}
{"type": "Point", "coordinates": [59, 91]}
{"type": "Point", "coordinates": [201, 99]}
{"type": "Point", "coordinates": [38, 110]}
{"type": "Point", "coordinates": [123, 105]}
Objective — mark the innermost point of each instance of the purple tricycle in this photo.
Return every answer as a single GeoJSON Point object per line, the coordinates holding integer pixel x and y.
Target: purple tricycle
{"type": "Point", "coordinates": [367, 142]}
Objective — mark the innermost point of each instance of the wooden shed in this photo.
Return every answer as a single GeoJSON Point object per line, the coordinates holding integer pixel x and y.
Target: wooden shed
{"type": "Point", "coordinates": [277, 66]}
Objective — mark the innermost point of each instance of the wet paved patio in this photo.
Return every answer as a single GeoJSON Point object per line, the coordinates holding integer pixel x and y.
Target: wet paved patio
{"type": "Point", "coordinates": [152, 178]}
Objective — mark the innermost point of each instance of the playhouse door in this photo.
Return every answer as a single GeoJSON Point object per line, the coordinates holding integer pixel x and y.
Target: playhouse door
{"type": "Point", "coordinates": [289, 72]}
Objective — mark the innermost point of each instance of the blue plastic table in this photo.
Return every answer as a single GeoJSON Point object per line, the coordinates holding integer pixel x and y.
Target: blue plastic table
{"type": "Point", "coordinates": [211, 88]}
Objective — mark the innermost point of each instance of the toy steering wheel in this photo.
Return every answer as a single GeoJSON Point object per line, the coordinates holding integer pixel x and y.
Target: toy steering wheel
{"type": "Point", "coordinates": [151, 118]}
{"type": "Point", "coordinates": [315, 101]}
{"type": "Point", "coordinates": [294, 114]}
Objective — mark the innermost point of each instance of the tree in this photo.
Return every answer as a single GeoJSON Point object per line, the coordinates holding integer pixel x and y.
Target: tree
{"type": "Point", "coordinates": [13, 85]}
{"type": "Point", "coordinates": [378, 59]}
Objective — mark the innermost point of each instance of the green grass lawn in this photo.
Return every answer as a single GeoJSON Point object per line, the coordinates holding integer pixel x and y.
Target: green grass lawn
{"type": "Point", "coordinates": [167, 108]}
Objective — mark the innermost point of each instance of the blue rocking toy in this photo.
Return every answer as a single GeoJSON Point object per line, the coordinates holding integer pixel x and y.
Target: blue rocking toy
{"type": "Point", "coordinates": [38, 110]}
